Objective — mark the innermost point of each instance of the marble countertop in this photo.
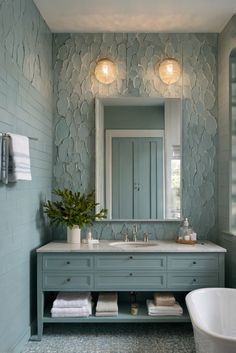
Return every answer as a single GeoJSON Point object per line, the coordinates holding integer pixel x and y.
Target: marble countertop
{"type": "Point", "coordinates": [159, 246]}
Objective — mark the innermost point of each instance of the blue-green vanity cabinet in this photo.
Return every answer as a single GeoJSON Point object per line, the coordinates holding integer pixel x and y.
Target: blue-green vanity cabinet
{"type": "Point", "coordinates": [123, 272]}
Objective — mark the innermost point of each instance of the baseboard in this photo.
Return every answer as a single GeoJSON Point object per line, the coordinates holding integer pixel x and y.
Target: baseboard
{"type": "Point", "coordinates": [21, 342]}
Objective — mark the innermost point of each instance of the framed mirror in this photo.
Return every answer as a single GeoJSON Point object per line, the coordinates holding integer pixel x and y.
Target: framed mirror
{"type": "Point", "coordinates": [138, 157]}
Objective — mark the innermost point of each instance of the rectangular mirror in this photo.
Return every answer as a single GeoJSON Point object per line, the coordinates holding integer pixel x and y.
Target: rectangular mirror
{"type": "Point", "coordinates": [138, 157]}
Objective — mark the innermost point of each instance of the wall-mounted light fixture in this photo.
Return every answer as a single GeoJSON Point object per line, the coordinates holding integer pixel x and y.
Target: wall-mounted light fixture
{"type": "Point", "coordinates": [105, 71]}
{"type": "Point", "coordinates": [169, 70]}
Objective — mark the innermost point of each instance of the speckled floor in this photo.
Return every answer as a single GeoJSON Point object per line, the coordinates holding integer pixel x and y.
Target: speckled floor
{"type": "Point", "coordinates": [114, 338]}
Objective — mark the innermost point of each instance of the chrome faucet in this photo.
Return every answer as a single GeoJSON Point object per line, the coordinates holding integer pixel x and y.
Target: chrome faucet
{"type": "Point", "coordinates": [134, 232]}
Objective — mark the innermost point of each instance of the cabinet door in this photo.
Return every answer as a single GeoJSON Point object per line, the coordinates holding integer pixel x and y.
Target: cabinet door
{"type": "Point", "coordinates": [137, 178]}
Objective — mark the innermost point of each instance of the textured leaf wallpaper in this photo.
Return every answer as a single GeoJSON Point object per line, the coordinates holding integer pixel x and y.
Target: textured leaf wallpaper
{"type": "Point", "coordinates": [136, 55]}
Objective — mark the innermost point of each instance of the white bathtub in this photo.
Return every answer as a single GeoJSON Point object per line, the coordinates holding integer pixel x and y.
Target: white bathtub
{"type": "Point", "coordinates": [213, 315]}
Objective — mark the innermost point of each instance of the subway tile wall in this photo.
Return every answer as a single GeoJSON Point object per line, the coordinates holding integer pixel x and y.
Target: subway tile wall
{"type": "Point", "coordinates": [25, 108]}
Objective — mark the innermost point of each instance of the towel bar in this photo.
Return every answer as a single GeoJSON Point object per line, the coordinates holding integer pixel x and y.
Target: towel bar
{"type": "Point", "coordinates": [29, 137]}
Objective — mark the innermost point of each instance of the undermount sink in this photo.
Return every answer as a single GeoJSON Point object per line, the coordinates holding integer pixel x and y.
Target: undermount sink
{"type": "Point", "coordinates": [132, 244]}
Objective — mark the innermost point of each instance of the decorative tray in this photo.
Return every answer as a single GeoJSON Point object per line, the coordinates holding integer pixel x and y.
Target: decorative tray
{"type": "Point", "coordinates": [189, 242]}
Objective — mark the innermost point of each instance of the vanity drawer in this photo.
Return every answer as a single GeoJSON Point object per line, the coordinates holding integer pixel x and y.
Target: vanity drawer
{"type": "Point", "coordinates": [125, 280]}
{"type": "Point", "coordinates": [67, 262]}
{"type": "Point", "coordinates": [65, 281]}
{"type": "Point", "coordinates": [130, 261]}
{"type": "Point", "coordinates": [186, 281]}
{"type": "Point", "coordinates": [193, 262]}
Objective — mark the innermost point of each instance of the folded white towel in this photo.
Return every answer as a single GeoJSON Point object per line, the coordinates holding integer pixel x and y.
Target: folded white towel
{"type": "Point", "coordinates": [19, 158]}
{"type": "Point", "coordinates": [107, 302]}
{"type": "Point", "coordinates": [71, 312]}
{"type": "Point", "coordinates": [106, 313]}
{"type": "Point", "coordinates": [72, 300]}
{"type": "Point", "coordinates": [156, 310]}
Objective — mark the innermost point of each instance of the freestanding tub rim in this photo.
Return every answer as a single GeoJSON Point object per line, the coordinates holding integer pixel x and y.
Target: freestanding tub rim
{"type": "Point", "coordinates": [195, 323]}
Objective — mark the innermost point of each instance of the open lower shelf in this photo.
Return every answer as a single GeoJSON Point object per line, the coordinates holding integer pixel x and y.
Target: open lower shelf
{"type": "Point", "coordinates": [123, 316]}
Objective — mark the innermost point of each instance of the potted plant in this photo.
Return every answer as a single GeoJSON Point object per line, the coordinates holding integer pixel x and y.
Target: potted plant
{"type": "Point", "coordinates": [75, 210]}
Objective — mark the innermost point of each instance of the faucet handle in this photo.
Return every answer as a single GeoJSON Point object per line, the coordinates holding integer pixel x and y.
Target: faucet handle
{"type": "Point", "coordinates": [125, 237]}
{"type": "Point", "coordinates": [145, 237]}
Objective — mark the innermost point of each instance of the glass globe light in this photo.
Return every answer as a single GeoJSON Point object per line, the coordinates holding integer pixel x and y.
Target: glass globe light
{"type": "Point", "coordinates": [169, 71]}
{"type": "Point", "coordinates": [105, 71]}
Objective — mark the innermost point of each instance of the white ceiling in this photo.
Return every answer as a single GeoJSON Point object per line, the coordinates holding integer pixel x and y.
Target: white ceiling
{"type": "Point", "coordinates": [136, 15]}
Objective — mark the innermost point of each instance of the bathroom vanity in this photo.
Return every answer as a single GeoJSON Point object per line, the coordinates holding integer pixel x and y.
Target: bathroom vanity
{"type": "Point", "coordinates": [124, 267]}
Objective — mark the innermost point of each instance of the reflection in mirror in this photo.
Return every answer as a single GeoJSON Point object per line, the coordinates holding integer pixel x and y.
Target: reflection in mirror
{"type": "Point", "coordinates": [232, 110]}
{"type": "Point", "coordinates": [138, 157]}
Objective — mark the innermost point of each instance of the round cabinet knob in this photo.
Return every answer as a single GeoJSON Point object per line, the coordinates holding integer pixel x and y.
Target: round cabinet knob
{"type": "Point", "coordinates": [194, 280]}
{"type": "Point", "coordinates": [131, 257]}
{"type": "Point", "coordinates": [194, 262]}
{"type": "Point", "coordinates": [131, 274]}
{"type": "Point", "coordinates": [68, 279]}
{"type": "Point", "coordinates": [67, 262]}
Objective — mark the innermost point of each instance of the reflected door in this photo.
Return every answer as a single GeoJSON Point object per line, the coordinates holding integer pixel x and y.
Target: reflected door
{"type": "Point", "coordinates": [137, 178]}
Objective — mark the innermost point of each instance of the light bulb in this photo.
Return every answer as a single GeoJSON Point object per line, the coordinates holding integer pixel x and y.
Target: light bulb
{"type": "Point", "coordinates": [105, 71]}
{"type": "Point", "coordinates": [169, 71]}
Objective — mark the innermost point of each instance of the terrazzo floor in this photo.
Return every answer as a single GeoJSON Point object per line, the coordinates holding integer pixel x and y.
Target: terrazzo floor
{"type": "Point", "coordinates": [114, 338]}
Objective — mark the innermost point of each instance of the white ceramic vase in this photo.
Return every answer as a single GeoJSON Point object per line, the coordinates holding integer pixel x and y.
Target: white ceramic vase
{"type": "Point", "coordinates": [73, 235]}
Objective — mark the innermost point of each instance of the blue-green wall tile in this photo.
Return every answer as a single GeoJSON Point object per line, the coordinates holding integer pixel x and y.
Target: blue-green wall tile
{"type": "Point", "coordinates": [25, 108]}
{"type": "Point", "coordinates": [136, 55]}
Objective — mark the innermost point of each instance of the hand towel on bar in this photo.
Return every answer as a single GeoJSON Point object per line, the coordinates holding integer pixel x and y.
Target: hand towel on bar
{"type": "Point", "coordinates": [19, 158]}
{"type": "Point", "coordinates": [107, 302]}
{"type": "Point", "coordinates": [4, 155]}
{"type": "Point", "coordinates": [164, 299]}
{"type": "Point", "coordinates": [71, 312]}
{"type": "Point", "coordinates": [154, 310]}
{"type": "Point", "coordinates": [72, 299]}
{"type": "Point", "coordinates": [106, 313]}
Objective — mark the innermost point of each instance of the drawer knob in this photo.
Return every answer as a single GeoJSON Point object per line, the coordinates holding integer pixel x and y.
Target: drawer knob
{"type": "Point", "coordinates": [131, 257]}
{"type": "Point", "coordinates": [68, 279]}
{"type": "Point", "coordinates": [194, 280]}
{"type": "Point", "coordinates": [67, 262]}
{"type": "Point", "coordinates": [131, 274]}
{"type": "Point", "coordinates": [194, 262]}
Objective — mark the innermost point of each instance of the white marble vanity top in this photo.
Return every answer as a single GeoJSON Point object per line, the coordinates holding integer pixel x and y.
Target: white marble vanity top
{"type": "Point", "coordinates": [162, 246]}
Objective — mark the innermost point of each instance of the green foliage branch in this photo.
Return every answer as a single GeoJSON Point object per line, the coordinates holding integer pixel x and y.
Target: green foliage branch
{"type": "Point", "coordinates": [73, 208]}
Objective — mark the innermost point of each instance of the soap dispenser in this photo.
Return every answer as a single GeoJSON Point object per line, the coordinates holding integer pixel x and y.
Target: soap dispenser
{"type": "Point", "coordinates": [184, 229]}
{"type": "Point", "coordinates": [186, 234]}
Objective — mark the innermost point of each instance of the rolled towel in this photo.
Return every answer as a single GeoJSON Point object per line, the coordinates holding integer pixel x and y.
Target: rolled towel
{"type": "Point", "coordinates": [71, 312]}
{"type": "Point", "coordinates": [155, 310]}
{"type": "Point", "coordinates": [164, 299]}
{"type": "Point", "coordinates": [72, 300]}
{"type": "Point", "coordinates": [106, 313]}
{"type": "Point", "coordinates": [107, 302]}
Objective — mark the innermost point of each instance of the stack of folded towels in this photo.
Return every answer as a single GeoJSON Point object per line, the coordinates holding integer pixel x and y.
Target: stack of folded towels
{"type": "Point", "coordinates": [163, 304]}
{"type": "Point", "coordinates": [72, 304]}
{"type": "Point", "coordinates": [107, 304]}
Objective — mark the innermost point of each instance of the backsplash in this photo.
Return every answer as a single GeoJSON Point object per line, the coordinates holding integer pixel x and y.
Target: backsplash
{"type": "Point", "coordinates": [136, 55]}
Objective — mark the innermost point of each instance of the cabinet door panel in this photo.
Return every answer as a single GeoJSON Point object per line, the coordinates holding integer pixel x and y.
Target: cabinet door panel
{"type": "Point", "coordinates": [67, 262]}
{"type": "Point", "coordinates": [187, 281]}
{"type": "Point", "coordinates": [130, 262]}
{"type": "Point", "coordinates": [130, 280]}
{"type": "Point", "coordinates": [66, 281]}
{"type": "Point", "coordinates": [193, 262]}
